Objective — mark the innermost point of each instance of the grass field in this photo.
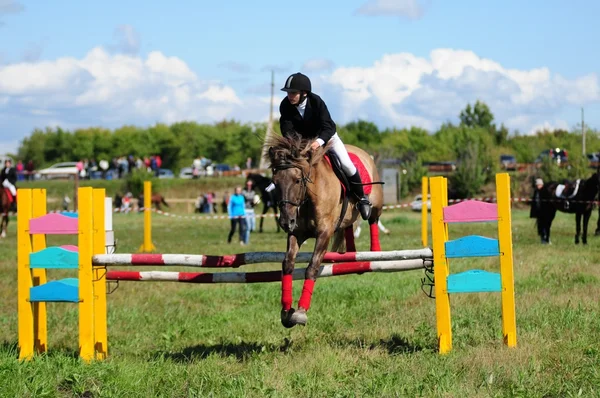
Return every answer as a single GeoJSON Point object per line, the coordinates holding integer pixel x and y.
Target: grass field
{"type": "Point", "coordinates": [368, 335]}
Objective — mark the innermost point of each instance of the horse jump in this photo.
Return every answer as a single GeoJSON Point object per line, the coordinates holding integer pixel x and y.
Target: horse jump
{"type": "Point", "coordinates": [91, 262]}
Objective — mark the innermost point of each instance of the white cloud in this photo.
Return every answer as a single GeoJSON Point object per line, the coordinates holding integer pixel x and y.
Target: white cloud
{"type": "Point", "coordinates": [410, 9]}
{"type": "Point", "coordinates": [317, 65]}
{"type": "Point", "coordinates": [401, 90]}
{"type": "Point", "coordinates": [110, 90]}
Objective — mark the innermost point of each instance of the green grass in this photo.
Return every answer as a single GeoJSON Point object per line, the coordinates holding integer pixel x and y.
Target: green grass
{"type": "Point", "coordinates": [368, 335]}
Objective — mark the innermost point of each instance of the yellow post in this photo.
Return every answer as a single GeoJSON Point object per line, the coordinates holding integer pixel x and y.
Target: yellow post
{"type": "Point", "coordinates": [100, 326]}
{"type": "Point", "coordinates": [40, 323]}
{"type": "Point", "coordinates": [424, 210]}
{"type": "Point", "coordinates": [147, 246]}
{"type": "Point", "coordinates": [24, 279]}
{"type": "Point", "coordinates": [86, 288]}
{"type": "Point", "coordinates": [439, 232]}
{"type": "Point", "coordinates": [509, 318]}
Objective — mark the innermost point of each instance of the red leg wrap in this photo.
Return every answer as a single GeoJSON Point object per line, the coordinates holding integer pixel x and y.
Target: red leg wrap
{"type": "Point", "coordinates": [375, 246]}
{"type": "Point", "coordinates": [307, 291]}
{"type": "Point", "coordinates": [286, 292]}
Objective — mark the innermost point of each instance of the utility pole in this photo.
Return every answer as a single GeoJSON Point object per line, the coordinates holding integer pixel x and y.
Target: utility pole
{"type": "Point", "coordinates": [269, 133]}
{"type": "Point", "coordinates": [583, 134]}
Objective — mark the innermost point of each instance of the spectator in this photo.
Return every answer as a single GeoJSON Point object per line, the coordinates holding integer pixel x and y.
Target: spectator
{"type": "Point", "coordinates": [249, 163]}
{"type": "Point", "coordinates": [225, 202]}
{"type": "Point", "coordinates": [249, 209]}
{"type": "Point", "coordinates": [236, 206]}
{"type": "Point", "coordinates": [20, 169]}
{"type": "Point", "coordinates": [536, 208]}
{"type": "Point", "coordinates": [29, 169]}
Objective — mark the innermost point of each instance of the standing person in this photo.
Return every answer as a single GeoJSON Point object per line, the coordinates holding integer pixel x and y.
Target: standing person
{"type": "Point", "coordinates": [29, 169]}
{"type": "Point", "coordinates": [236, 206]}
{"type": "Point", "coordinates": [305, 113]}
{"type": "Point", "coordinates": [225, 202]}
{"type": "Point", "coordinates": [249, 210]}
{"type": "Point", "coordinates": [536, 211]}
{"type": "Point", "coordinates": [20, 171]}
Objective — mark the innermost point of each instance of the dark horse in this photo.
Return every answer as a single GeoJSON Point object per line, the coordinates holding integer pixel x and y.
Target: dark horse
{"type": "Point", "coordinates": [269, 199]}
{"type": "Point", "coordinates": [4, 209]}
{"type": "Point", "coordinates": [311, 205]}
{"type": "Point", "coordinates": [578, 199]}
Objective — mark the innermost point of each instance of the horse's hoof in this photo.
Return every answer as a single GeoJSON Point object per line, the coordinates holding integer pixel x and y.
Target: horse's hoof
{"type": "Point", "coordinates": [286, 318]}
{"type": "Point", "coordinates": [299, 317]}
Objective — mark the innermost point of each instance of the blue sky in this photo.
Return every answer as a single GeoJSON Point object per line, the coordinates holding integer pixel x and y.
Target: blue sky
{"type": "Point", "coordinates": [395, 62]}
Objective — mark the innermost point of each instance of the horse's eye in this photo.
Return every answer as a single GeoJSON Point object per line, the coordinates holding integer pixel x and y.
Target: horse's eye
{"type": "Point", "coordinates": [298, 181]}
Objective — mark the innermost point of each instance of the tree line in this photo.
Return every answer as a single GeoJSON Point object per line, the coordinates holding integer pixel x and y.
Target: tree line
{"type": "Point", "coordinates": [475, 143]}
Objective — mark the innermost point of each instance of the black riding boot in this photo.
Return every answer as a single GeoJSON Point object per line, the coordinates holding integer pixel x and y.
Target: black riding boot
{"type": "Point", "coordinates": [364, 205]}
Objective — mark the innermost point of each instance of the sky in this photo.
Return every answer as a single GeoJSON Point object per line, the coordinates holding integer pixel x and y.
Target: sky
{"type": "Point", "coordinates": [397, 63]}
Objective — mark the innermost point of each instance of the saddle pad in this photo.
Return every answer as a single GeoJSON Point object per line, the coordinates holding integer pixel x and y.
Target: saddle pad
{"type": "Point", "coordinates": [10, 196]}
{"type": "Point", "coordinates": [362, 171]}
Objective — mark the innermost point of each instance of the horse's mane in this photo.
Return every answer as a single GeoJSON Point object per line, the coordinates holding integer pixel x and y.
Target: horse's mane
{"type": "Point", "coordinates": [292, 150]}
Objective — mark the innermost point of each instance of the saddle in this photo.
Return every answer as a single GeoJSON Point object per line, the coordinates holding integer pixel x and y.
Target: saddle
{"type": "Point", "coordinates": [568, 190]}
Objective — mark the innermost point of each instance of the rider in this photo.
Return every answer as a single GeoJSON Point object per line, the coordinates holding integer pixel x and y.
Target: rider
{"type": "Point", "coordinates": [8, 177]}
{"type": "Point", "coordinates": [304, 112]}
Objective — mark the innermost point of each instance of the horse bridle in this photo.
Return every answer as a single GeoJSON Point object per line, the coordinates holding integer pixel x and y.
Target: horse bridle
{"type": "Point", "coordinates": [304, 181]}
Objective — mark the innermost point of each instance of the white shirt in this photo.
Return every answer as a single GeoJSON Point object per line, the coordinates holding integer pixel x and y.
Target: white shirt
{"type": "Point", "coordinates": [302, 107]}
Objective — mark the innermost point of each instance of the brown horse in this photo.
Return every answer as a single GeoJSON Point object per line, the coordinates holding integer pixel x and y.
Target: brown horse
{"type": "Point", "coordinates": [310, 201]}
{"type": "Point", "coordinates": [156, 199]}
{"type": "Point", "coordinates": [4, 209]}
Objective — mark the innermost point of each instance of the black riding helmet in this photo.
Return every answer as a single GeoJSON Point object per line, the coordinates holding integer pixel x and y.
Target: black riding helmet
{"type": "Point", "coordinates": [297, 82]}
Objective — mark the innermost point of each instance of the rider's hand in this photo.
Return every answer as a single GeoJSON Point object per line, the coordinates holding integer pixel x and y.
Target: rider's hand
{"type": "Point", "coordinates": [315, 145]}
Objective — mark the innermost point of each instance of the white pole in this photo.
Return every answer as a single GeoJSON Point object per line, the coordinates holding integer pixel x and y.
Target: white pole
{"type": "Point", "coordinates": [108, 226]}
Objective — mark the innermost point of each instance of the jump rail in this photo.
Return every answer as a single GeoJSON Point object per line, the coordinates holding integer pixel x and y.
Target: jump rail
{"type": "Point", "coordinates": [237, 260]}
{"type": "Point", "coordinates": [266, 276]}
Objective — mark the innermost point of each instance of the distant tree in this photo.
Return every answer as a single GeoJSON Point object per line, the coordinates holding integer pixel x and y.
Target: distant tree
{"type": "Point", "coordinates": [478, 115]}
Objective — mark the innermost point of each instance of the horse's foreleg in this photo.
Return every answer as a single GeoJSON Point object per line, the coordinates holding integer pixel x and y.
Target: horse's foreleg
{"type": "Point", "coordinates": [276, 219]}
{"type": "Point", "coordinates": [287, 268]}
{"type": "Point", "coordinates": [310, 277]}
{"type": "Point", "coordinates": [3, 226]}
{"type": "Point", "coordinates": [262, 218]}
{"type": "Point", "coordinates": [586, 220]}
{"type": "Point", "coordinates": [578, 227]}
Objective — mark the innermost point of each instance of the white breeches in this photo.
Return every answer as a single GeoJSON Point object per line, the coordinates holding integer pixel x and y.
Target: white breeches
{"type": "Point", "coordinates": [341, 152]}
{"type": "Point", "coordinates": [10, 186]}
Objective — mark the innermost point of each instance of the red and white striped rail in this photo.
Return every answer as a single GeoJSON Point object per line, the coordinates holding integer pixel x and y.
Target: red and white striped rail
{"type": "Point", "coordinates": [236, 260]}
{"type": "Point", "coordinates": [266, 276]}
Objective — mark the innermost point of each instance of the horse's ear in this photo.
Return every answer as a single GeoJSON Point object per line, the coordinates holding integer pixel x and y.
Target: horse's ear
{"type": "Point", "coordinates": [294, 152]}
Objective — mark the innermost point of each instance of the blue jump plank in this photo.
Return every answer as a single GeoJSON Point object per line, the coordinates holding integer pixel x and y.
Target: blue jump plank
{"type": "Point", "coordinates": [63, 290]}
{"type": "Point", "coordinates": [474, 281]}
{"type": "Point", "coordinates": [71, 214]}
{"type": "Point", "coordinates": [54, 257]}
{"type": "Point", "coordinates": [472, 246]}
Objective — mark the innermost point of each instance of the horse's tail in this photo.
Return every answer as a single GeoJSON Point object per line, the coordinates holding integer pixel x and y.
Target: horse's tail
{"type": "Point", "coordinates": [163, 201]}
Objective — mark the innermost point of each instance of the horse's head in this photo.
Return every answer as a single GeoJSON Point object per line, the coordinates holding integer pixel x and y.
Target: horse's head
{"type": "Point", "coordinates": [291, 161]}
